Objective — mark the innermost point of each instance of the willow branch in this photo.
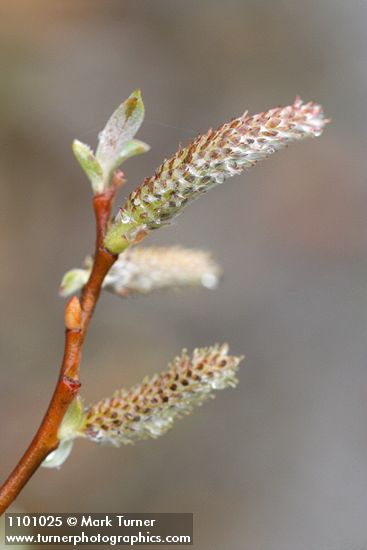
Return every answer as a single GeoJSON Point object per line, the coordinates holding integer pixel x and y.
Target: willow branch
{"type": "Point", "coordinates": [77, 319]}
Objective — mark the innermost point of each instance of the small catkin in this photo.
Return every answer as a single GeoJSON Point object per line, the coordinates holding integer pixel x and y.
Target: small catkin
{"type": "Point", "coordinates": [149, 409]}
{"type": "Point", "coordinates": [142, 270]}
{"type": "Point", "coordinates": [208, 161]}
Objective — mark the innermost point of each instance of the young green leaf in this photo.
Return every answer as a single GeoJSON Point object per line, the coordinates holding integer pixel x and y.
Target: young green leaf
{"type": "Point", "coordinates": [72, 420]}
{"type": "Point", "coordinates": [90, 164]}
{"type": "Point", "coordinates": [73, 281]}
{"type": "Point", "coordinates": [132, 149]}
{"type": "Point", "coordinates": [119, 131]}
{"type": "Point", "coordinates": [68, 431]}
{"type": "Point", "coordinates": [57, 458]}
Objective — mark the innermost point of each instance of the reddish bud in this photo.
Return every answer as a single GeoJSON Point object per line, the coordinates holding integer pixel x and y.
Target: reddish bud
{"type": "Point", "coordinates": [73, 314]}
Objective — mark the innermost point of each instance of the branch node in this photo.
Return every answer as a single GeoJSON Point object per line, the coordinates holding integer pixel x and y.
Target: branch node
{"type": "Point", "coordinates": [72, 384]}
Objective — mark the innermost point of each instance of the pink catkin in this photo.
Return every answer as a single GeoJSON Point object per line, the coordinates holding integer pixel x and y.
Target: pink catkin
{"type": "Point", "coordinates": [149, 409]}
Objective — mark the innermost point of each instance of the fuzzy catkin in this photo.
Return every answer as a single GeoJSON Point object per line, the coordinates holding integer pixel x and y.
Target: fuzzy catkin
{"type": "Point", "coordinates": [142, 270]}
{"type": "Point", "coordinates": [208, 161]}
{"type": "Point", "coordinates": [149, 409]}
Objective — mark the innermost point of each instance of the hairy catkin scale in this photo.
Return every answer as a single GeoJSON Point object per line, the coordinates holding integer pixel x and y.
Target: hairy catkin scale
{"type": "Point", "coordinates": [149, 409]}
{"type": "Point", "coordinates": [207, 162]}
{"type": "Point", "coordinates": [142, 270]}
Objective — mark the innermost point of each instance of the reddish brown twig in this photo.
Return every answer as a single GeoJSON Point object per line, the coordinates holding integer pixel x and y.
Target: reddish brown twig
{"type": "Point", "coordinates": [77, 318]}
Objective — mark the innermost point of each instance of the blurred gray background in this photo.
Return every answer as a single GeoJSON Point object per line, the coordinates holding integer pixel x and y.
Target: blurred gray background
{"type": "Point", "coordinates": [280, 463]}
